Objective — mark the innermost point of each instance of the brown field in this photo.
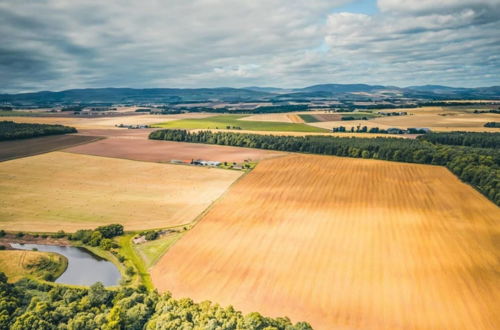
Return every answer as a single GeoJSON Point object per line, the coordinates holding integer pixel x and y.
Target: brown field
{"type": "Point", "coordinates": [29, 147]}
{"type": "Point", "coordinates": [165, 151]}
{"type": "Point", "coordinates": [345, 243]}
{"type": "Point", "coordinates": [328, 116]}
{"type": "Point", "coordinates": [69, 191]}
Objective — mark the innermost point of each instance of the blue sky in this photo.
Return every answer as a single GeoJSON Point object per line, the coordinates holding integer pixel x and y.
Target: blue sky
{"type": "Point", "coordinates": [368, 7]}
{"type": "Point", "coordinates": [60, 44]}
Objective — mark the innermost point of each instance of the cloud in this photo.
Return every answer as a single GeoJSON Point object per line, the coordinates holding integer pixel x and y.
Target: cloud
{"type": "Point", "coordinates": [410, 43]}
{"type": "Point", "coordinates": [59, 44]}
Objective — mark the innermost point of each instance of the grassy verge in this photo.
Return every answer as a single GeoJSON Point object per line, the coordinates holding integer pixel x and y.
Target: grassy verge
{"type": "Point", "coordinates": [233, 121]}
{"type": "Point", "coordinates": [151, 251]}
{"type": "Point", "coordinates": [132, 259]}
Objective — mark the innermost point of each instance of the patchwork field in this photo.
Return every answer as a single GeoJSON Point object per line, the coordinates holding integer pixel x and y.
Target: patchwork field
{"type": "Point", "coordinates": [345, 243]}
{"type": "Point", "coordinates": [34, 146]}
{"type": "Point", "coordinates": [165, 151]}
{"type": "Point", "coordinates": [435, 118]}
{"type": "Point", "coordinates": [69, 191]}
{"type": "Point", "coordinates": [223, 121]}
{"type": "Point", "coordinates": [106, 122]}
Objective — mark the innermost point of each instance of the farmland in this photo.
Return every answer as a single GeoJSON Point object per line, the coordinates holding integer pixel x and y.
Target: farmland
{"type": "Point", "coordinates": [229, 121]}
{"type": "Point", "coordinates": [436, 118]}
{"type": "Point", "coordinates": [29, 147]}
{"type": "Point", "coordinates": [165, 151]}
{"type": "Point", "coordinates": [17, 264]}
{"type": "Point", "coordinates": [347, 243]}
{"type": "Point", "coordinates": [69, 191]}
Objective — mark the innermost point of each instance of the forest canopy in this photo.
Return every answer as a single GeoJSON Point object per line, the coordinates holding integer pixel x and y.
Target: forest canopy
{"type": "Point", "coordinates": [32, 305]}
{"type": "Point", "coordinates": [10, 130]}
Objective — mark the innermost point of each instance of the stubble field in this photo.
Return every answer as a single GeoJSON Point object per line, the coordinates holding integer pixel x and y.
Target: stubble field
{"type": "Point", "coordinates": [165, 151]}
{"type": "Point", "coordinates": [345, 243]}
{"type": "Point", "coordinates": [65, 191]}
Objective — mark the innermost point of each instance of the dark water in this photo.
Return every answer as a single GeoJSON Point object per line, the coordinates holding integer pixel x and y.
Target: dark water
{"type": "Point", "coordinates": [84, 268]}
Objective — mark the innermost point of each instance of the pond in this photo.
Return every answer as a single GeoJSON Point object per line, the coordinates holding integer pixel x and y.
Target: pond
{"type": "Point", "coordinates": [84, 267]}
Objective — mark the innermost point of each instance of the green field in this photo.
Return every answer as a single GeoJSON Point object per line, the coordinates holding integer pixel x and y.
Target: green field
{"type": "Point", "coordinates": [232, 121]}
{"type": "Point", "coordinates": [309, 118]}
{"type": "Point", "coordinates": [151, 251]}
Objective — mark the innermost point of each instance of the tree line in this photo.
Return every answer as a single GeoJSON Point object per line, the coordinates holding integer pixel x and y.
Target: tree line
{"type": "Point", "coordinates": [10, 130]}
{"type": "Point", "coordinates": [259, 109]}
{"type": "Point", "coordinates": [28, 304]}
{"type": "Point", "coordinates": [469, 139]}
{"type": "Point", "coordinates": [479, 167]}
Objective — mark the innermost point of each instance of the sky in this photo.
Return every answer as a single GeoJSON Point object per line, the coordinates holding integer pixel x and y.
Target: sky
{"type": "Point", "coordinates": [62, 44]}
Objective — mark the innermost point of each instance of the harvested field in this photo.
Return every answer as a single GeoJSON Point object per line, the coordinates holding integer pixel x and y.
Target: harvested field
{"type": "Point", "coordinates": [142, 133]}
{"type": "Point", "coordinates": [345, 243]}
{"type": "Point", "coordinates": [165, 151]}
{"type": "Point", "coordinates": [34, 146]}
{"type": "Point", "coordinates": [279, 117]}
{"type": "Point", "coordinates": [436, 118]}
{"type": "Point", "coordinates": [107, 122]}
{"type": "Point", "coordinates": [295, 118]}
{"type": "Point", "coordinates": [15, 263]}
{"type": "Point", "coordinates": [68, 191]}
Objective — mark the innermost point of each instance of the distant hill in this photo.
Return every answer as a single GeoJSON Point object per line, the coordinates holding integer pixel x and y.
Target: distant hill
{"type": "Point", "coordinates": [254, 93]}
{"type": "Point", "coordinates": [130, 95]}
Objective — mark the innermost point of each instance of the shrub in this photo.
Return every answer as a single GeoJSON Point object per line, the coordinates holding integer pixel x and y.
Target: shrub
{"type": "Point", "coordinates": [151, 235]}
{"type": "Point", "coordinates": [110, 231]}
{"type": "Point", "coordinates": [59, 234]}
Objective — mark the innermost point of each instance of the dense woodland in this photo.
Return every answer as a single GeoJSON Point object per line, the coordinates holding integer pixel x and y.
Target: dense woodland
{"type": "Point", "coordinates": [479, 167]}
{"type": "Point", "coordinates": [33, 305]}
{"type": "Point", "coordinates": [479, 140]}
{"type": "Point", "coordinates": [10, 130]}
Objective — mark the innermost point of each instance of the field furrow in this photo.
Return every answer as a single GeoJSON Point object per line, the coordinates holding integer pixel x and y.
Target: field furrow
{"type": "Point", "coordinates": [345, 243]}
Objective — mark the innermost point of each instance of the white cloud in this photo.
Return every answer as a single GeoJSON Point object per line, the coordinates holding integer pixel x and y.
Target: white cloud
{"type": "Point", "coordinates": [59, 44]}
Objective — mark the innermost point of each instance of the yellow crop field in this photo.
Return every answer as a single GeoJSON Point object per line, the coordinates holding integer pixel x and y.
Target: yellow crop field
{"type": "Point", "coordinates": [345, 243]}
{"type": "Point", "coordinates": [68, 191]}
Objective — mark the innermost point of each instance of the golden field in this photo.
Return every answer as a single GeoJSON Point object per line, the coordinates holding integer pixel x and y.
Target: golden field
{"type": "Point", "coordinates": [105, 122]}
{"type": "Point", "coordinates": [345, 243]}
{"type": "Point", "coordinates": [60, 190]}
{"type": "Point", "coordinates": [15, 263]}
